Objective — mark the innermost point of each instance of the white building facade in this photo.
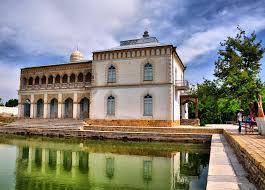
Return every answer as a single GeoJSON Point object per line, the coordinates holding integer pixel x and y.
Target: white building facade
{"type": "Point", "coordinates": [139, 82]}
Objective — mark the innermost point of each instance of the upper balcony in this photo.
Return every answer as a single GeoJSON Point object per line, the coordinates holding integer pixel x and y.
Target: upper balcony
{"type": "Point", "coordinates": [181, 84]}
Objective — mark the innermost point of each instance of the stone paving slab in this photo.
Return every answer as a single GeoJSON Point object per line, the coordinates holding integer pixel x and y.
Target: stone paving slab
{"type": "Point", "coordinates": [225, 172]}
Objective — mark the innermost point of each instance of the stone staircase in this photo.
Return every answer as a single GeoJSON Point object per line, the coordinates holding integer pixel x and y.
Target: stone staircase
{"type": "Point", "coordinates": [170, 130]}
{"type": "Point", "coordinates": [47, 123]}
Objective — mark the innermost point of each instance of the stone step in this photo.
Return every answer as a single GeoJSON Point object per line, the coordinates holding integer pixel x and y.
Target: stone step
{"type": "Point", "coordinates": [193, 130]}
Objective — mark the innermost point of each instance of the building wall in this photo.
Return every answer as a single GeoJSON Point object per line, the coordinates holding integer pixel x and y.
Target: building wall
{"type": "Point", "coordinates": [129, 102]}
{"type": "Point", "coordinates": [178, 76]}
{"type": "Point", "coordinates": [130, 70]}
{"type": "Point", "coordinates": [128, 90]}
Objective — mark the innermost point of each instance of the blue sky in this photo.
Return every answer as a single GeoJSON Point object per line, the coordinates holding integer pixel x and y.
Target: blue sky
{"type": "Point", "coordinates": [35, 32]}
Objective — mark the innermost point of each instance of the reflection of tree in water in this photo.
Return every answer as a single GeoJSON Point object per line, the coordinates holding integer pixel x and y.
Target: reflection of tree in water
{"type": "Point", "coordinates": [192, 167]}
{"type": "Point", "coordinates": [110, 167]}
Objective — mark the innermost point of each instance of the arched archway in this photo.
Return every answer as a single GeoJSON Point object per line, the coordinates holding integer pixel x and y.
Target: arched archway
{"type": "Point", "coordinates": [43, 80]}
{"type": "Point", "coordinates": [80, 77]}
{"type": "Point", "coordinates": [88, 77]}
{"type": "Point", "coordinates": [24, 83]}
{"type": "Point", "coordinates": [68, 108]}
{"type": "Point", "coordinates": [84, 108]}
{"type": "Point", "coordinates": [72, 78]}
{"type": "Point", "coordinates": [65, 78]}
{"type": "Point", "coordinates": [27, 108]}
{"type": "Point", "coordinates": [54, 108]}
{"type": "Point", "coordinates": [37, 80]}
{"type": "Point", "coordinates": [40, 108]}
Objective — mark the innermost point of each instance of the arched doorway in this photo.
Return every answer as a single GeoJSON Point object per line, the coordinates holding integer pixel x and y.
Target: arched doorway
{"type": "Point", "coordinates": [54, 108]}
{"type": "Point", "coordinates": [27, 108]}
{"type": "Point", "coordinates": [84, 108]}
{"type": "Point", "coordinates": [40, 108]}
{"type": "Point", "coordinates": [68, 108]}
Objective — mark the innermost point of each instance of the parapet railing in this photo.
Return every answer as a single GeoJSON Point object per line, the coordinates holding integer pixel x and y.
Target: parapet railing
{"type": "Point", "coordinates": [182, 84]}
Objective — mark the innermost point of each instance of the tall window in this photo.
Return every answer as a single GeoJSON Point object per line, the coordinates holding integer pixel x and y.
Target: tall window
{"type": "Point", "coordinates": [148, 72]}
{"type": "Point", "coordinates": [111, 105]}
{"type": "Point", "coordinates": [148, 105]}
{"type": "Point", "coordinates": [112, 74]}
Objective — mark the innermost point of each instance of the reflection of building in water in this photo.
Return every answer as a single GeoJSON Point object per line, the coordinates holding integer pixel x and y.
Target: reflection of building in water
{"type": "Point", "coordinates": [41, 167]}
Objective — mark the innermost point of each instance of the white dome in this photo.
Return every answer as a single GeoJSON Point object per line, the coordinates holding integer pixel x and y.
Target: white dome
{"type": "Point", "coordinates": [76, 56]}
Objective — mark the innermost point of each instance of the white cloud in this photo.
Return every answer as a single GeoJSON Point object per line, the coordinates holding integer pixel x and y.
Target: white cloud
{"type": "Point", "coordinates": [57, 26]}
{"type": "Point", "coordinates": [9, 77]}
{"type": "Point", "coordinates": [201, 43]}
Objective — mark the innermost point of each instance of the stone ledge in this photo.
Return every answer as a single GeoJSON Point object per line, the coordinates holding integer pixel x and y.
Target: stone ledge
{"type": "Point", "coordinates": [144, 136]}
{"type": "Point", "coordinates": [131, 122]}
{"type": "Point", "coordinates": [252, 158]}
{"type": "Point", "coordinates": [179, 129]}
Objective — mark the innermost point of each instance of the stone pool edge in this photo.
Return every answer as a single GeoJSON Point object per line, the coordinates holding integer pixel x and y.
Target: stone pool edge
{"type": "Point", "coordinates": [119, 135]}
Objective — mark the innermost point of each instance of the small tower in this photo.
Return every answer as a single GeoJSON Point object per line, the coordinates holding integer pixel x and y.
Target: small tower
{"type": "Point", "coordinates": [146, 35]}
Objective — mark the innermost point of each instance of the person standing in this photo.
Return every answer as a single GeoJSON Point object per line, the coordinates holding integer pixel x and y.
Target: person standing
{"type": "Point", "coordinates": [239, 120]}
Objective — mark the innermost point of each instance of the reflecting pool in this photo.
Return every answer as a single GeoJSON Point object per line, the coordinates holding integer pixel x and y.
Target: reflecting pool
{"type": "Point", "coordinates": [45, 163]}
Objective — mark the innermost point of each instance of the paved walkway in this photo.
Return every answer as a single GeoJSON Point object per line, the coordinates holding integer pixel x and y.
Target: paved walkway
{"type": "Point", "coordinates": [225, 172]}
{"type": "Point", "coordinates": [250, 149]}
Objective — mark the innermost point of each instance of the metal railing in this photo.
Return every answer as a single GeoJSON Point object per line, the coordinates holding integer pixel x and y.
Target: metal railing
{"type": "Point", "coordinates": [182, 84]}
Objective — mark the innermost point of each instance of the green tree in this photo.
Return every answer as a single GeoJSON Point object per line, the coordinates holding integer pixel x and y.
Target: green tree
{"type": "Point", "coordinates": [238, 66]}
{"type": "Point", "coordinates": [11, 103]}
{"type": "Point", "coordinates": [1, 103]}
{"type": "Point", "coordinates": [207, 93]}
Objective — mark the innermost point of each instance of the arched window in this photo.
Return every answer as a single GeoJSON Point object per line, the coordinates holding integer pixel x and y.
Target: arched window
{"type": "Point", "coordinates": [148, 72]}
{"type": "Point", "coordinates": [43, 80]}
{"type": "Point", "coordinates": [111, 105]}
{"type": "Point", "coordinates": [80, 77]}
{"type": "Point", "coordinates": [88, 77]}
{"type": "Point", "coordinates": [64, 80]}
{"type": "Point", "coordinates": [72, 78]}
{"type": "Point", "coordinates": [50, 79]}
{"type": "Point", "coordinates": [112, 74]}
{"type": "Point", "coordinates": [30, 81]}
{"type": "Point", "coordinates": [148, 105]}
{"type": "Point", "coordinates": [37, 80]}
{"type": "Point", "coordinates": [57, 79]}
{"type": "Point", "coordinates": [24, 82]}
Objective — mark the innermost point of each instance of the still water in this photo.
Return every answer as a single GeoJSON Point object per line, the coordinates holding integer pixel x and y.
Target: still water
{"type": "Point", "coordinates": [44, 163]}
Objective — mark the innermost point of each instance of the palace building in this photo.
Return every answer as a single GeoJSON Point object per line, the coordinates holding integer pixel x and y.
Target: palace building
{"type": "Point", "coordinates": [139, 83]}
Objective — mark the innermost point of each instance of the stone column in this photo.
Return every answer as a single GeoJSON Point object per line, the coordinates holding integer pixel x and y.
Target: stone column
{"type": "Point", "coordinates": [60, 97]}
{"type": "Point", "coordinates": [19, 114]}
{"type": "Point", "coordinates": [44, 159]}
{"type": "Point", "coordinates": [45, 106]}
{"type": "Point", "coordinates": [32, 107]}
{"type": "Point", "coordinates": [58, 161]}
{"type": "Point", "coordinates": [175, 168]}
{"type": "Point", "coordinates": [31, 158]}
{"type": "Point", "coordinates": [75, 103]}
{"type": "Point", "coordinates": [184, 111]}
{"type": "Point", "coordinates": [75, 163]}
{"type": "Point", "coordinates": [75, 159]}
{"type": "Point", "coordinates": [19, 152]}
